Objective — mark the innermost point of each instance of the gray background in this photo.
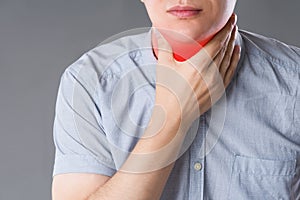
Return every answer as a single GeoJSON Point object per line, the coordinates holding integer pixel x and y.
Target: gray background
{"type": "Point", "coordinates": [39, 39]}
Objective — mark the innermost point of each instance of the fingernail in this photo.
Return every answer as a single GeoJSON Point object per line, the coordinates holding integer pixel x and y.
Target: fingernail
{"type": "Point", "coordinates": [233, 19]}
{"type": "Point", "coordinates": [238, 48]}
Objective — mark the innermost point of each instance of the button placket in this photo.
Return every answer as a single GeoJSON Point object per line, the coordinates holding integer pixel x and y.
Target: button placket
{"type": "Point", "coordinates": [197, 163]}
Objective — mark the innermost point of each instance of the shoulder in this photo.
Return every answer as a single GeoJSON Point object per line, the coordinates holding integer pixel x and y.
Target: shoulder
{"type": "Point", "coordinates": [271, 50]}
{"type": "Point", "coordinates": [106, 57]}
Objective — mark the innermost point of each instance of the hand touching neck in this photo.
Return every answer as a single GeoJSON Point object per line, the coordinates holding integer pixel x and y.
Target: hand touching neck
{"type": "Point", "coordinates": [181, 51]}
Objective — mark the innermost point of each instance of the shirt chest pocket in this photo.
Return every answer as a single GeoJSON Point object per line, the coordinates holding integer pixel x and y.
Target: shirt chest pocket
{"type": "Point", "coordinates": [261, 179]}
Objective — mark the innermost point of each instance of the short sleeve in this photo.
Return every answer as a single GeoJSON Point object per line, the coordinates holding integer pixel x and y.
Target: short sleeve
{"type": "Point", "coordinates": [80, 141]}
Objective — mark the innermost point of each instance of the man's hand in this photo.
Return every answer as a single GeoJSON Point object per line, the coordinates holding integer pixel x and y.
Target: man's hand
{"type": "Point", "coordinates": [188, 89]}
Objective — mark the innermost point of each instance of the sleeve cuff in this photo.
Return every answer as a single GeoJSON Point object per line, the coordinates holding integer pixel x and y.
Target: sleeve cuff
{"type": "Point", "coordinates": [80, 164]}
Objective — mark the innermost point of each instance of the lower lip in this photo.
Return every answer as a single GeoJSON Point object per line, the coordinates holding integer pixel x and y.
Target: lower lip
{"type": "Point", "coordinates": [184, 13]}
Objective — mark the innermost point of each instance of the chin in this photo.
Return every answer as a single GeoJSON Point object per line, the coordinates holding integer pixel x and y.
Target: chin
{"type": "Point", "coordinates": [188, 35]}
{"type": "Point", "coordinates": [175, 34]}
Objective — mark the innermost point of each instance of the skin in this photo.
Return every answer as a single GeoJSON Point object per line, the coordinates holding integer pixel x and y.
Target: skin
{"type": "Point", "coordinates": [188, 35]}
{"type": "Point", "coordinates": [214, 15]}
{"type": "Point", "coordinates": [202, 76]}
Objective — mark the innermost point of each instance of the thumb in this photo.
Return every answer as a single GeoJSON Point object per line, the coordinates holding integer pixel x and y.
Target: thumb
{"type": "Point", "coordinates": [164, 49]}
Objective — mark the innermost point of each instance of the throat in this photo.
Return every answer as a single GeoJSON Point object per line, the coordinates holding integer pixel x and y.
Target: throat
{"type": "Point", "coordinates": [181, 51]}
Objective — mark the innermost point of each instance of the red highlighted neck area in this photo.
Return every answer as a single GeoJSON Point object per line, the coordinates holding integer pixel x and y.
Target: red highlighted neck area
{"type": "Point", "coordinates": [181, 50]}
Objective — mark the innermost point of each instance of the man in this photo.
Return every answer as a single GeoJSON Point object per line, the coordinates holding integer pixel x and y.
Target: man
{"type": "Point", "coordinates": [245, 146]}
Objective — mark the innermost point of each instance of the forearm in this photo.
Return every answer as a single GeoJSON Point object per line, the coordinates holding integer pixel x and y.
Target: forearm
{"type": "Point", "coordinates": [146, 171]}
{"type": "Point", "coordinates": [127, 186]}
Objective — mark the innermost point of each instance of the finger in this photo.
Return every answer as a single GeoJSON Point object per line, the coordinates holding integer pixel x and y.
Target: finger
{"type": "Point", "coordinates": [164, 49]}
{"type": "Point", "coordinates": [220, 39]}
{"type": "Point", "coordinates": [220, 56]}
{"type": "Point", "coordinates": [233, 65]}
{"type": "Point", "coordinates": [228, 54]}
{"type": "Point", "coordinates": [223, 53]}
{"type": "Point", "coordinates": [215, 45]}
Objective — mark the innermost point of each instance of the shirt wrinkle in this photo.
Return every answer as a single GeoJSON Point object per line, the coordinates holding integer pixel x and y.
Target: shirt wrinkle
{"type": "Point", "coordinates": [249, 157]}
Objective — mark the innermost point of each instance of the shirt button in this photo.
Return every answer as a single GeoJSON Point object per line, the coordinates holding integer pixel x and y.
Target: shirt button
{"type": "Point", "coordinates": [197, 166]}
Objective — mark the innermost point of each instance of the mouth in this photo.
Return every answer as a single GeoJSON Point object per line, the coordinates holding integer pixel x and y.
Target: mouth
{"type": "Point", "coordinates": [184, 11]}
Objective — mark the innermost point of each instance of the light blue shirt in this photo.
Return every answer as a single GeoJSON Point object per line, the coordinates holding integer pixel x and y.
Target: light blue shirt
{"type": "Point", "coordinates": [105, 100]}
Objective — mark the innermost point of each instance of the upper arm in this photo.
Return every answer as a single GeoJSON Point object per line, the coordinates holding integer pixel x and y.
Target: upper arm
{"type": "Point", "coordinates": [76, 186]}
{"type": "Point", "coordinates": [80, 140]}
{"type": "Point", "coordinates": [83, 160]}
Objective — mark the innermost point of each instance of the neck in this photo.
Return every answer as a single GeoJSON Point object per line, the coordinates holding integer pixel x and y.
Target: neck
{"type": "Point", "coordinates": [181, 51]}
